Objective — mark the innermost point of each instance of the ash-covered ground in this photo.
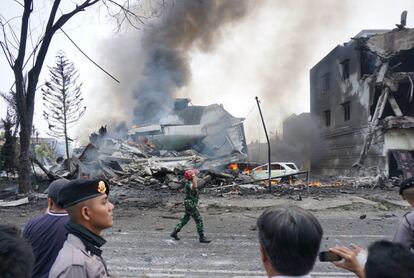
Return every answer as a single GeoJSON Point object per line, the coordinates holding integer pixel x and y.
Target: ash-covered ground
{"type": "Point", "coordinates": [139, 244]}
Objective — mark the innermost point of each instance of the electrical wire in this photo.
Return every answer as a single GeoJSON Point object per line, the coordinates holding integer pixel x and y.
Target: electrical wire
{"type": "Point", "coordinates": [93, 62]}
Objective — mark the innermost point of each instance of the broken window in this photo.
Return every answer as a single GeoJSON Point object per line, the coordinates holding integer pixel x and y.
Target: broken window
{"type": "Point", "coordinates": [345, 69]}
{"type": "Point", "coordinates": [399, 103]}
{"type": "Point", "coordinates": [368, 61]}
{"type": "Point", "coordinates": [347, 110]}
{"type": "Point", "coordinates": [327, 114]}
{"type": "Point", "coordinates": [325, 83]}
{"type": "Point", "coordinates": [404, 100]}
{"type": "Point", "coordinates": [403, 62]}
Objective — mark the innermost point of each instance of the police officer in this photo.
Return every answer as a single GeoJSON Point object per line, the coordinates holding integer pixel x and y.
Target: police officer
{"type": "Point", "coordinates": [405, 230]}
{"type": "Point", "coordinates": [90, 212]}
{"type": "Point", "coordinates": [190, 205]}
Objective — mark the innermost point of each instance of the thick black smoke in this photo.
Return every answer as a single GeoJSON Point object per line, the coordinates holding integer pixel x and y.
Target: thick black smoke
{"type": "Point", "coordinates": [186, 25]}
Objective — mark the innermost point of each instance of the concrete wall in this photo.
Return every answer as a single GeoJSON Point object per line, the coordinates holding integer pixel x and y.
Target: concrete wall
{"type": "Point", "coordinates": [336, 148]}
{"type": "Point", "coordinates": [398, 139]}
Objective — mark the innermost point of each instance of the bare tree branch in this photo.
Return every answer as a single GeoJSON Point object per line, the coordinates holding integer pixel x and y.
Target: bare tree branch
{"type": "Point", "coordinates": [18, 2]}
{"type": "Point", "coordinates": [15, 49]}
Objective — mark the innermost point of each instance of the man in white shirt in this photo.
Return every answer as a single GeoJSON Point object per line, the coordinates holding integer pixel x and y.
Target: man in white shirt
{"type": "Point", "coordinates": [289, 242]}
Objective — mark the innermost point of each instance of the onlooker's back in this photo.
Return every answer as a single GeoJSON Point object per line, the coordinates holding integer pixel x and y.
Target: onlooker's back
{"type": "Point", "coordinates": [47, 233]}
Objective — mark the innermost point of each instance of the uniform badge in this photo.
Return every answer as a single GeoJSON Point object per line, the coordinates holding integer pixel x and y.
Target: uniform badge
{"type": "Point", "coordinates": [101, 187]}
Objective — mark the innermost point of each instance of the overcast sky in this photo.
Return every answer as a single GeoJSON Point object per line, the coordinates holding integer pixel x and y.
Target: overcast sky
{"type": "Point", "coordinates": [268, 53]}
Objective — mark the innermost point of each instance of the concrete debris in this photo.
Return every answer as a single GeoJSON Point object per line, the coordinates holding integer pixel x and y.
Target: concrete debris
{"type": "Point", "coordinates": [125, 165]}
{"type": "Point", "coordinates": [139, 162]}
{"type": "Point", "coordinates": [14, 203]}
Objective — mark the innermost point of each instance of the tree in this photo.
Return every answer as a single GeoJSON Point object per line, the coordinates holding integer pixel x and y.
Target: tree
{"type": "Point", "coordinates": [63, 101]}
{"type": "Point", "coordinates": [8, 152]}
{"type": "Point", "coordinates": [14, 45]}
{"type": "Point", "coordinates": [10, 99]}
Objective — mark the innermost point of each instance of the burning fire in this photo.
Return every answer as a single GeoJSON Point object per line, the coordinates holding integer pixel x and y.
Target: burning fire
{"type": "Point", "coordinates": [315, 184]}
{"type": "Point", "coordinates": [233, 167]}
{"type": "Point", "coordinates": [247, 171]}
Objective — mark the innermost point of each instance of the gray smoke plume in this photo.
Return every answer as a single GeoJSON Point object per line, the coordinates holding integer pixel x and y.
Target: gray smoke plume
{"type": "Point", "coordinates": [307, 26]}
{"type": "Point", "coordinates": [153, 63]}
{"type": "Point", "coordinates": [187, 24]}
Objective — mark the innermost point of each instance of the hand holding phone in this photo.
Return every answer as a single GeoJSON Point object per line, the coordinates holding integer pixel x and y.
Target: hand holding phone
{"type": "Point", "coordinates": [350, 261]}
{"type": "Point", "coordinates": [329, 256]}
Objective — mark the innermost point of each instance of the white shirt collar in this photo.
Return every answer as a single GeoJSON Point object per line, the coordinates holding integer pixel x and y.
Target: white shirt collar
{"type": "Point", "coordinates": [57, 214]}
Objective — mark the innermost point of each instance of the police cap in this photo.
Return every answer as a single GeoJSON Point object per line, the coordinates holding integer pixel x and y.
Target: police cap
{"type": "Point", "coordinates": [80, 190]}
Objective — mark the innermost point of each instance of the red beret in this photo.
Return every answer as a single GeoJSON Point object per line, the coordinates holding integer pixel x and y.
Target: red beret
{"type": "Point", "coordinates": [189, 174]}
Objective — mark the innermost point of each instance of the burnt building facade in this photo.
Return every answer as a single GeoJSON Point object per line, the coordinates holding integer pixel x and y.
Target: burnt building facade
{"type": "Point", "coordinates": [362, 103]}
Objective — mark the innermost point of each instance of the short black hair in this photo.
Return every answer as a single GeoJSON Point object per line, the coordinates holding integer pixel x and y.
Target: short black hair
{"type": "Point", "coordinates": [405, 184]}
{"type": "Point", "coordinates": [389, 260]}
{"type": "Point", "coordinates": [16, 257]}
{"type": "Point", "coordinates": [291, 238]}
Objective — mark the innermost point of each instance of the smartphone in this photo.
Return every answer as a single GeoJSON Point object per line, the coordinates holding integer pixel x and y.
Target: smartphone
{"type": "Point", "coordinates": [328, 256]}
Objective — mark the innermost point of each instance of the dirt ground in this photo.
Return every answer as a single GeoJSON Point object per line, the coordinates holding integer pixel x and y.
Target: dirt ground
{"type": "Point", "coordinates": [139, 244]}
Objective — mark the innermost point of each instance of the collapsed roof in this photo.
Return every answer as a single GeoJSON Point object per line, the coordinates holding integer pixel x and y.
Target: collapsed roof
{"type": "Point", "coordinates": [210, 130]}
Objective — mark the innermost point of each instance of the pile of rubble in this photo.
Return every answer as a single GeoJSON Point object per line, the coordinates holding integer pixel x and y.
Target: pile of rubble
{"type": "Point", "coordinates": [138, 164]}
{"type": "Point", "coordinates": [134, 164]}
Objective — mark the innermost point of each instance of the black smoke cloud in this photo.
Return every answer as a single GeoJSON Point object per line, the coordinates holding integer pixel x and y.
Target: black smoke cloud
{"type": "Point", "coordinates": [186, 25]}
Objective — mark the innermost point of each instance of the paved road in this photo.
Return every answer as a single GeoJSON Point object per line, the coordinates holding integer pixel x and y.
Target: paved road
{"type": "Point", "coordinates": [153, 254]}
{"type": "Point", "coordinates": [139, 244]}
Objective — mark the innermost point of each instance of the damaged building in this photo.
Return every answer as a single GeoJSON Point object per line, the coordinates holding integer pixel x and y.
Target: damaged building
{"type": "Point", "coordinates": [204, 137]}
{"type": "Point", "coordinates": [210, 130]}
{"type": "Point", "coordinates": [362, 101]}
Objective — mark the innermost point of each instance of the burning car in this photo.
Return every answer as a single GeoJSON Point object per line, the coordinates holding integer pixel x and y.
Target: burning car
{"type": "Point", "coordinates": [277, 169]}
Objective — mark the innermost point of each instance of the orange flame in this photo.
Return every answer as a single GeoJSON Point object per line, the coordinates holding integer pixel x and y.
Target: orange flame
{"type": "Point", "coordinates": [315, 184]}
{"type": "Point", "coordinates": [247, 171]}
{"type": "Point", "coordinates": [233, 166]}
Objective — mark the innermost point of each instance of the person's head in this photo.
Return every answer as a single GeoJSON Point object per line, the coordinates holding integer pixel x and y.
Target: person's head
{"type": "Point", "coordinates": [190, 174]}
{"type": "Point", "coordinates": [87, 204]}
{"type": "Point", "coordinates": [52, 194]}
{"type": "Point", "coordinates": [389, 260]}
{"type": "Point", "coordinates": [407, 190]}
{"type": "Point", "coordinates": [16, 257]}
{"type": "Point", "coordinates": [289, 241]}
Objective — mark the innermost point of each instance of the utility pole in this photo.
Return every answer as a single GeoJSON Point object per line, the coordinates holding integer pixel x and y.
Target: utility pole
{"type": "Point", "coordinates": [268, 146]}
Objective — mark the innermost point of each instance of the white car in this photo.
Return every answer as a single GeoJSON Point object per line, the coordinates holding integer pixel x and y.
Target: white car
{"type": "Point", "coordinates": [278, 169]}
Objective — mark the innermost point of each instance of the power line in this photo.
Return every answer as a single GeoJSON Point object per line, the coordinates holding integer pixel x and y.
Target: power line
{"type": "Point", "coordinates": [89, 57]}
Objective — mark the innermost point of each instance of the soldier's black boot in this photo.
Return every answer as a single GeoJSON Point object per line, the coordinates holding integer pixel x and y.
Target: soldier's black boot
{"type": "Point", "coordinates": [174, 235]}
{"type": "Point", "coordinates": [203, 239]}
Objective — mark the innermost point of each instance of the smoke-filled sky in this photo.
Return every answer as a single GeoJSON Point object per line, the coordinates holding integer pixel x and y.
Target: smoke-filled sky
{"type": "Point", "coordinates": [216, 51]}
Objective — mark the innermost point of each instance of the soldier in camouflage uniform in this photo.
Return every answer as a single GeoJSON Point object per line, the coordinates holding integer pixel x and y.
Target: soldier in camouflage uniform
{"type": "Point", "coordinates": [190, 204]}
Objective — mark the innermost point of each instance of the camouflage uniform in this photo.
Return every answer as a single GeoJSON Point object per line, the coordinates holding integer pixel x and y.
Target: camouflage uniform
{"type": "Point", "coordinates": [190, 204]}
